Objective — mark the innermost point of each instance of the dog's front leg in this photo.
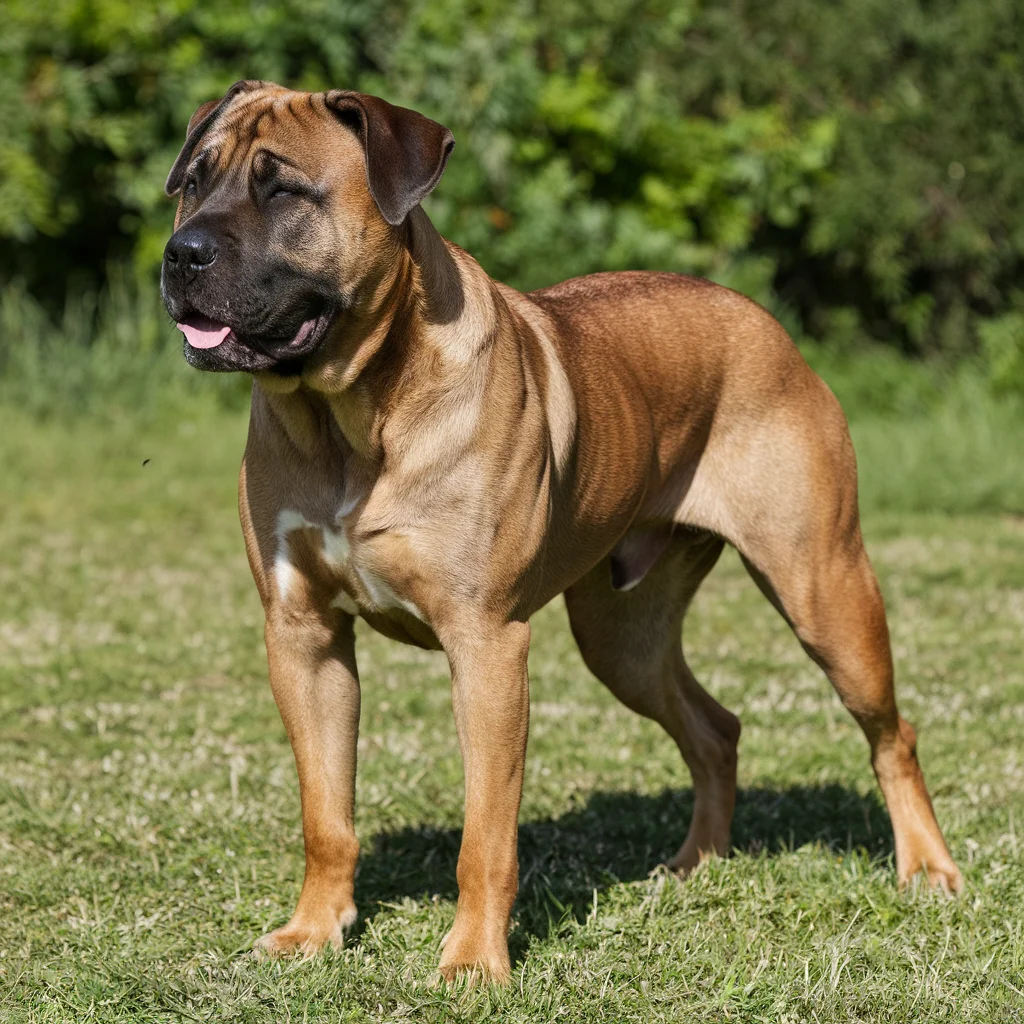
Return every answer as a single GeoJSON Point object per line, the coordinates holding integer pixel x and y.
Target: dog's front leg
{"type": "Point", "coordinates": [316, 686]}
{"type": "Point", "coordinates": [491, 700]}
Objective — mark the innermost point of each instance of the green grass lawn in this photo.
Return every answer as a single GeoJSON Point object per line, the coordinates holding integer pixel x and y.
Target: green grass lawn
{"type": "Point", "coordinates": [149, 812]}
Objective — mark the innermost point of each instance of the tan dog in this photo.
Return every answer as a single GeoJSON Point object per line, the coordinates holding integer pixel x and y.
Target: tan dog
{"type": "Point", "coordinates": [442, 455]}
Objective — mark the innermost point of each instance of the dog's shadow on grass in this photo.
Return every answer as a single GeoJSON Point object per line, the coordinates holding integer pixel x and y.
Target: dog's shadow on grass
{"type": "Point", "coordinates": [619, 837]}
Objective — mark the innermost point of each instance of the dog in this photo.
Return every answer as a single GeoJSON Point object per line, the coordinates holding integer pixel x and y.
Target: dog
{"type": "Point", "coordinates": [442, 455]}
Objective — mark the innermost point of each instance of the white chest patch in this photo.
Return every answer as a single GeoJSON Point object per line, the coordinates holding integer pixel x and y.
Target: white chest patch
{"type": "Point", "coordinates": [335, 547]}
{"type": "Point", "coordinates": [379, 595]}
{"type": "Point", "coordinates": [383, 597]}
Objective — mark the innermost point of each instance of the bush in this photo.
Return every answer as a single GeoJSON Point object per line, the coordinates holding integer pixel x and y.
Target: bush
{"type": "Point", "coordinates": [855, 165]}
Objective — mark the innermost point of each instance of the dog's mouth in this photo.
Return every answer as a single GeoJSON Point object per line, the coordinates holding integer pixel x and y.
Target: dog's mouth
{"type": "Point", "coordinates": [214, 344]}
{"type": "Point", "coordinates": [203, 333]}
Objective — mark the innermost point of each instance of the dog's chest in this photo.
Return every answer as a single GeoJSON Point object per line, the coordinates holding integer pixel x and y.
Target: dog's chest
{"type": "Point", "coordinates": [318, 564]}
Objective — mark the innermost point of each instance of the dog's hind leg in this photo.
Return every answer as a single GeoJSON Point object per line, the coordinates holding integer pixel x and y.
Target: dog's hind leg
{"type": "Point", "coordinates": [832, 601]}
{"type": "Point", "coordinates": [784, 492]}
{"type": "Point", "coordinates": [631, 640]}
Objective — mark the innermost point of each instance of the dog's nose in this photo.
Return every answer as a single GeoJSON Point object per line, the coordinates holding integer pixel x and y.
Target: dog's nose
{"type": "Point", "coordinates": [191, 248]}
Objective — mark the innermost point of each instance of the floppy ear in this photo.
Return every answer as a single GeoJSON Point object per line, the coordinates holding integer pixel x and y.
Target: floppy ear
{"type": "Point", "coordinates": [406, 153]}
{"type": "Point", "coordinates": [198, 124]}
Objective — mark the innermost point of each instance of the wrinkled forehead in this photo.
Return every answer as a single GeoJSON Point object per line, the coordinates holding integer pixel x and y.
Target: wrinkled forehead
{"type": "Point", "coordinates": [292, 127]}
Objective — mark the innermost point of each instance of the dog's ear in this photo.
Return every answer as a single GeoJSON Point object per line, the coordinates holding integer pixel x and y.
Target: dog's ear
{"type": "Point", "coordinates": [198, 125]}
{"type": "Point", "coordinates": [406, 153]}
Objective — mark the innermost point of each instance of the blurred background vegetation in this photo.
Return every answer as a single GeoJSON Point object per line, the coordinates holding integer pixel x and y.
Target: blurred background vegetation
{"type": "Point", "coordinates": [857, 166]}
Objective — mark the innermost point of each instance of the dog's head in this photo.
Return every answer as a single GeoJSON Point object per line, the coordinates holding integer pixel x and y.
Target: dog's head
{"type": "Point", "coordinates": [288, 202]}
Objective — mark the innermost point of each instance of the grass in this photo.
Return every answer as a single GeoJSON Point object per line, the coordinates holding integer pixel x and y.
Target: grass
{"type": "Point", "coordinates": [149, 814]}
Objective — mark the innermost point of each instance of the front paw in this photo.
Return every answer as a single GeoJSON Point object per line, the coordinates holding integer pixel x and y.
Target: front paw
{"type": "Point", "coordinates": [307, 933]}
{"type": "Point", "coordinates": [925, 853]}
{"type": "Point", "coordinates": [944, 875]}
{"type": "Point", "coordinates": [473, 956]}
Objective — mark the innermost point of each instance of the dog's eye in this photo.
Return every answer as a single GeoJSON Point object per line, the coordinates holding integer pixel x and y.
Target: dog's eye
{"type": "Point", "coordinates": [282, 193]}
{"type": "Point", "coordinates": [190, 187]}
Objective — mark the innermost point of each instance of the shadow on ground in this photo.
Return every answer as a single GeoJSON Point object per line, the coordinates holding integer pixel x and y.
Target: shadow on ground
{"type": "Point", "coordinates": [619, 837]}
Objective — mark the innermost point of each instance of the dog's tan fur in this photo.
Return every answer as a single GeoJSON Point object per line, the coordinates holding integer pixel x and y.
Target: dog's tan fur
{"type": "Point", "coordinates": [457, 454]}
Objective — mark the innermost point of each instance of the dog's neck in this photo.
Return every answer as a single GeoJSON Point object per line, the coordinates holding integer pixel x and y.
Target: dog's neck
{"type": "Point", "coordinates": [413, 332]}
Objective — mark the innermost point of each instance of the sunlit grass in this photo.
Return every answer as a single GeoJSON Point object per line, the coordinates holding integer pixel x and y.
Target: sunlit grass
{"type": "Point", "coordinates": [149, 815]}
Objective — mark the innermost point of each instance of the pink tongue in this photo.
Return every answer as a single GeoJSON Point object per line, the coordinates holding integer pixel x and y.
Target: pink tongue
{"type": "Point", "coordinates": [203, 333]}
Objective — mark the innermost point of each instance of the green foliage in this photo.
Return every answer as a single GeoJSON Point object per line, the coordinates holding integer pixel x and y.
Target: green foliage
{"type": "Point", "coordinates": [1003, 344]}
{"type": "Point", "coordinates": [859, 158]}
